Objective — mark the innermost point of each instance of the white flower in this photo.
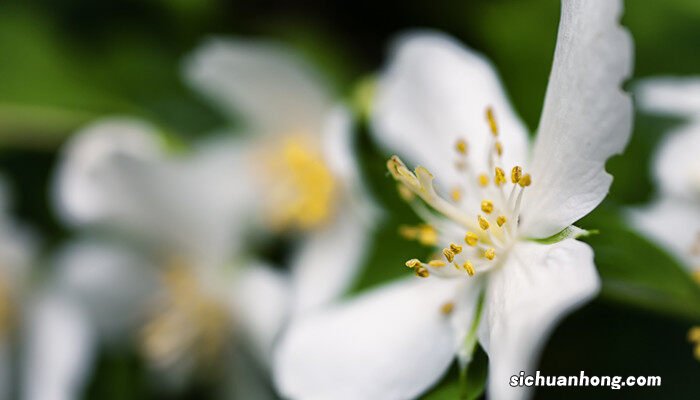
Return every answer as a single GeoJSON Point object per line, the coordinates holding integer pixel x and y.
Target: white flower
{"type": "Point", "coordinates": [440, 106]}
{"type": "Point", "coordinates": [172, 278]}
{"type": "Point", "coordinates": [673, 218]}
{"type": "Point", "coordinates": [298, 139]}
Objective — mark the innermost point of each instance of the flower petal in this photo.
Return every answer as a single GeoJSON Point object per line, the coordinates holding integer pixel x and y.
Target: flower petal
{"type": "Point", "coordinates": [260, 303]}
{"type": "Point", "coordinates": [434, 92]}
{"type": "Point", "coordinates": [5, 370]}
{"type": "Point", "coordinates": [670, 95]}
{"type": "Point", "coordinates": [391, 343]}
{"type": "Point", "coordinates": [674, 224]}
{"type": "Point", "coordinates": [271, 87]}
{"type": "Point", "coordinates": [677, 166]}
{"type": "Point", "coordinates": [59, 350]}
{"type": "Point", "coordinates": [536, 287]}
{"type": "Point", "coordinates": [110, 282]}
{"type": "Point", "coordinates": [585, 120]}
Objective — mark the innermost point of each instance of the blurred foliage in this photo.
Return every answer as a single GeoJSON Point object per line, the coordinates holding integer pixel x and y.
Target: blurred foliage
{"type": "Point", "coordinates": [64, 63]}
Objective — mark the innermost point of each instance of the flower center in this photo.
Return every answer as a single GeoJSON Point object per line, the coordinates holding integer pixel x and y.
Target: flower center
{"type": "Point", "coordinates": [187, 325]}
{"type": "Point", "coordinates": [484, 210]}
{"type": "Point", "coordinates": [302, 189]}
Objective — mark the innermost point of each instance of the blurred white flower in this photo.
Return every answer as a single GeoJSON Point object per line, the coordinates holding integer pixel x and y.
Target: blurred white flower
{"type": "Point", "coordinates": [510, 267]}
{"type": "Point", "coordinates": [298, 143]}
{"type": "Point", "coordinates": [673, 218]}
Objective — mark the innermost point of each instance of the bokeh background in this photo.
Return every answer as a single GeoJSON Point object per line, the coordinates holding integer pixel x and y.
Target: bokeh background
{"type": "Point", "coordinates": [64, 63]}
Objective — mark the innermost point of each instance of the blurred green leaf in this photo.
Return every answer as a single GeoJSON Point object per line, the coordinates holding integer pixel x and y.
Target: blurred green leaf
{"type": "Point", "coordinates": [450, 387]}
{"type": "Point", "coordinates": [637, 272]}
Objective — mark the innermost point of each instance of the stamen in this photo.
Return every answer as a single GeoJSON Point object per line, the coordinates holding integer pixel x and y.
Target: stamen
{"type": "Point", "coordinates": [469, 268]}
{"type": "Point", "coordinates": [483, 223]}
{"type": "Point", "coordinates": [425, 234]}
{"type": "Point", "coordinates": [447, 308]}
{"type": "Point", "coordinates": [422, 272]}
{"type": "Point", "coordinates": [490, 254]}
{"type": "Point", "coordinates": [525, 180]}
{"type": "Point", "coordinates": [413, 263]}
{"type": "Point", "coordinates": [483, 180]}
{"type": "Point", "coordinates": [492, 121]}
{"type": "Point", "coordinates": [456, 194]}
{"type": "Point", "coordinates": [500, 176]}
{"type": "Point", "coordinates": [501, 220]}
{"type": "Point", "coordinates": [437, 263]}
{"type": "Point", "coordinates": [449, 254]}
{"type": "Point", "coordinates": [461, 147]}
{"type": "Point", "coordinates": [487, 206]}
{"type": "Point", "coordinates": [499, 148]}
{"type": "Point", "coordinates": [471, 239]}
{"type": "Point", "coordinates": [406, 194]}
{"type": "Point", "coordinates": [455, 248]}
{"type": "Point", "coordinates": [515, 174]}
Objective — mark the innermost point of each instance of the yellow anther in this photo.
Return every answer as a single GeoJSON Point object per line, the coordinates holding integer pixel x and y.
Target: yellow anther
{"type": "Point", "coordinates": [500, 177]}
{"type": "Point", "coordinates": [490, 253]}
{"type": "Point", "coordinates": [492, 121]}
{"type": "Point", "coordinates": [525, 180]}
{"type": "Point", "coordinates": [422, 272]}
{"type": "Point", "coordinates": [437, 263]}
{"type": "Point", "coordinates": [483, 180]}
{"type": "Point", "coordinates": [408, 232]}
{"type": "Point", "coordinates": [515, 174]}
{"type": "Point", "coordinates": [449, 254]}
{"type": "Point", "coordinates": [694, 334]}
{"type": "Point", "coordinates": [413, 263]}
{"type": "Point", "coordinates": [499, 148]}
{"type": "Point", "coordinates": [471, 238]}
{"type": "Point", "coordinates": [425, 234]}
{"type": "Point", "coordinates": [487, 206]}
{"type": "Point", "coordinates": [447, 308]}
{"type": "Point", "coordinates": [467, 266]}
{"type": "Point", "coordinates": [483, 223]}
{"type": "Point", "coordinates": [501, 220]}
{"type": "Point", "coordinates": [456, 194]}
{"type": "Point", "coordinates": [460, 165]}
{"type": "Point", "coordinates": [406, 194]}
{"type": "Point", "coordinates": [461, 146]}
{"type": "Point", "coordinates": [455, 248]}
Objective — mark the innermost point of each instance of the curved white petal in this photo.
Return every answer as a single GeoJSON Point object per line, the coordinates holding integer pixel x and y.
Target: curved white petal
{"type": "Point", "coordinates": [260, 302]}
{"type": "Point", "coordinates": [111, 283]}
{"type": "Point", "coordinates": [272, 88]}
{"type": "Point", "coordinates": [389, 344]}
{"type": "Point", "coordinates": [677, 165]}
{"type": "Point", "coordinates": [525, 299]}
{"type": "Point", "coordinates": [59, 348]}
{"type": "Point", "coordinates": [585, 120]}
{"type": "Point", "coordinates": [434, 92]}
{"type": "Point", "coordinates": [116, 174]}
{"type": "Point", "coordinates": [670, 95]}
{"type": "Point", "coordinates": [673, 224]}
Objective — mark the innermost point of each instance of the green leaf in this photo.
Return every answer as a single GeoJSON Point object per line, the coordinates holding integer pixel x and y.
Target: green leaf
{"type": "Point", "coordinates": [636, 272]}
{"type": "Point", "coordinates": [450, 388]}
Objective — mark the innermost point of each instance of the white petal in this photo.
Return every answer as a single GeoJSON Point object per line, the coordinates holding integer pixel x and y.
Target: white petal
{"type": "Point", "coordinates": [266, 83]}
{"type": "Point", "coordinates": [677, 165]}
{"type": "Point", "coordinates": [434, 92]}
{"type": "Point", "coordinates": [5, 370]}
{"type": "Point", "coordinates": [537, 286]}
{"type": "Point", "coordinates": [111, 283]}
{"type": "Point", "coordinates": [670, 95]}
{"type": "Point", "coordinates": [59, 351]}
{"type": "Point", "coordinates": [260, 302]}
{"type": "Point", "coordinates": [585, 120]}
{"type": "Point", "coordinates": [389, 344]}
{"type": "Point", "coordinates": [673, 224]}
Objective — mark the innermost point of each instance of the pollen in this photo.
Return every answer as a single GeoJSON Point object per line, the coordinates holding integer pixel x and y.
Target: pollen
{"type": "Point", "coordinates": [467, 266]}
{"type": "Point", "coordinates": [483, 180]}
{"type": "Point", "coordinates": [456, 194]}
{"type": "Point", "coordinates": [525, 180]}
{"type": "Point", "coordinates": [461, 147]}
{"type": "Point", "coordinates": [449, 254]}
{"type": "Point", "coordinates": [422, 272]}
{"type": "Point", "coordinates": [499, 148]}
{"type": "Point", "coordinates": [490, 254]}
{"type": "Point", "coordinates": [501, 220]}
{"type": "Point", "coordinates": [471, 239]}
{"type": "Point", "coordinates": [515, 174]}
{"type": "Point", "coordinates": [447, 308]}
{"type": "Point", "coordinates": [500, 176]}
{"type": "Point", "coordinates": [491, 118]}
{"type": "Point", "coordinates": [437, 263]}
{"type": "Point", "coordinates": [455, 248]}
{"type": "Point", "coordinates": [487, 206]}
{"type": "Point", "coordinates": [413, 263]}
{"type": "Point", "coordinates": [483, 223]}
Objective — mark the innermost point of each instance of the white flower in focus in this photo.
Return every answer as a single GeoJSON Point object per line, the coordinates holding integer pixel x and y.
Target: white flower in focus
{"type": "Point", "coordinates": [673, 218]}
{"type": "Point", "coordinates": [297, 138]}
{"type": "Point", "coordinates": [508, 266]}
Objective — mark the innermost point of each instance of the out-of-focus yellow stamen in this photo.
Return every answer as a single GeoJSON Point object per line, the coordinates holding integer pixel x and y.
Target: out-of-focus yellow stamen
{"type": "Point", "coordinates": [456, 194]}
{"type": "Point", "coordinates": [500, 176]}
{"type": "Point", "coordinates": [471, 238]}
{"type": "Point", "coordinates": [483, 180]}
{"type": "Point", "coordinates": [449, 254]}
{"type": "Point", "coordinates": [405, 193]}
{"type": "Point", "coordinates": [461, 146]}
{"type": "Point", "coordinates": [483, 223]}
{"type": "Point", "coordinates": [490, 254]}
{"type": "Point", "coordinates": [515, 174]}
{"type": "Point", "coordinates": [487, 206]}
{"type": "Point", "coordinates": [491, 118]}
{"type": "Point", "coordinates": [436, 263]}
{"type": "Point", "coordinates": [501, 220]}
{"type": "Point", "coordinates": [447, 308]}
{"type": "Point", "coordinates": [525, 180]}
{"type": "Point", "coordinates": [422, 272]}
{"type": "Point", "coordinates": [467, 266]}
{"type": "Point", "coordinates": [499, 148]}
{"type": "Point", "coordinates": [413, 263]}
{"type": "Point", "coordinates": [455, 248]}
{"type": "Point", "coordinates": [694, 337]}
{"type": "Point", "coordinates": [425, 234]}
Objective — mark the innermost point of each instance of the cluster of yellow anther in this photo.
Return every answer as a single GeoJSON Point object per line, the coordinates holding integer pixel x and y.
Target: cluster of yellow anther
{"type": "Point", "coordinates": [491, 231]}
{"type": "Point", "coordinates": [694, 338]}
{"type": "Point", "coordinates": [302, 187]}
{"type": "Point", "coordinates": [187, 325]}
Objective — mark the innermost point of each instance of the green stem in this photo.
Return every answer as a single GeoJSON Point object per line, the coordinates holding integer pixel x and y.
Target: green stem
{"type": "Point", "coordinates": [468, 347]}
